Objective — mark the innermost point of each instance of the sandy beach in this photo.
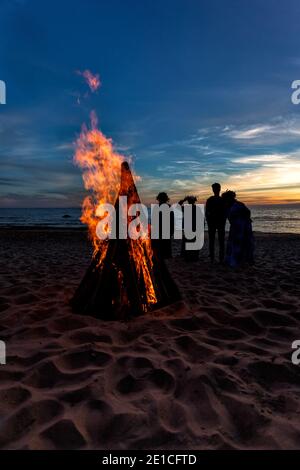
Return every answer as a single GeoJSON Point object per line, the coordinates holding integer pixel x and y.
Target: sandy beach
{"type": "Point", "coordinates": [211, 372]}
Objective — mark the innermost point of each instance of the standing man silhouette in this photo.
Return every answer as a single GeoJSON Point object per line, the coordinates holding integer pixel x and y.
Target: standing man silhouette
{"type": "Point", "coordinates": [162, 245]}
{"type": "Point", "coordinates": [216, 219]}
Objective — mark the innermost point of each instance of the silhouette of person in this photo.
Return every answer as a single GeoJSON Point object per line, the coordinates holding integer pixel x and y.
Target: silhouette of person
{"type": "Point", "coordinates": [162, 245]}
{"type": "Point", "coordinates": [215, 215]}
{"type": "Point", "coordinates": [189, 255]}
{"type": "Point", "coordinates": [240, 244]}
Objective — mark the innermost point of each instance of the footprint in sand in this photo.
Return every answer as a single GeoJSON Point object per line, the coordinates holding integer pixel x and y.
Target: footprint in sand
{"type": "Point", "coordinates": [28, 419]}
{"type": "Point", "coordinates": [64, 435]}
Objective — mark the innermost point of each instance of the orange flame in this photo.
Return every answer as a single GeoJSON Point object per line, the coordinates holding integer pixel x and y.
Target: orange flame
{"type": "Point", "coordinates": [142, 254]}
{"type": "Point", "coordinates": [101, 173]}
{"type": "Point", "coordinates": [101, 166]}
{"type": "Point", "coordinates": [93, 80]}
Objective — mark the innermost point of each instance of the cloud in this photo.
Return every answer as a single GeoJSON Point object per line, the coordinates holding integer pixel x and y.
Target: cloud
{"type": "Point", "coordinates": [261, 162]}
{"type": "Point", "coordinates": [34, 169]}
{"type": "Point", "coordinates": [254, 159]}
{"type": "Point", "coordinates": [279, 130]}
{"type": "Point", "coordinates": [65, 146]}
{"type": "Point", "coordinates": [249, 133]}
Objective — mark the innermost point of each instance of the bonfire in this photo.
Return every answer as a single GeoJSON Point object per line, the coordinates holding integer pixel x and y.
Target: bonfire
{"type": "Point", "coordinates": [126, 277]}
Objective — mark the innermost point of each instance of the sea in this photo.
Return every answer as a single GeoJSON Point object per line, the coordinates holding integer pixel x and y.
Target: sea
{"type": "Point", "coordinates": [268, 218]}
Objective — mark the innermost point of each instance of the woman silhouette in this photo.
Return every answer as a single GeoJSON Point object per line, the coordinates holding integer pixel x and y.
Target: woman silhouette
{"type": "Point", "coordinates": [240, 244]}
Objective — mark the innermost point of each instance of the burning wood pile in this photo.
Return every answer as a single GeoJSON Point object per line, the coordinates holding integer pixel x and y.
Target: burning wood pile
{"type": "Point", "coordinates": [126, 277]}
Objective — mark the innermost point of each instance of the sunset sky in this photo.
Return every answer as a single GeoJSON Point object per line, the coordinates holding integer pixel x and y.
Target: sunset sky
{"type": "Point", "coordinates": [196, 91]}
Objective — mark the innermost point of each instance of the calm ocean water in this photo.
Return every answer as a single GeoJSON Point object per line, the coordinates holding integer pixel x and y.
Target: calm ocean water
{"type": "Point", "coordinates": [277, 218]}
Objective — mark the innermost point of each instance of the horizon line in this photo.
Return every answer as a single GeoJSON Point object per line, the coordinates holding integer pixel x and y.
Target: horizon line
{"type": "Point", "coordinates": [79, 207]}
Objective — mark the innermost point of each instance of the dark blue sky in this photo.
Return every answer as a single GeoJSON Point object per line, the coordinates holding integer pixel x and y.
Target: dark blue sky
{"type": "Point", "coordinates": [195, 91]}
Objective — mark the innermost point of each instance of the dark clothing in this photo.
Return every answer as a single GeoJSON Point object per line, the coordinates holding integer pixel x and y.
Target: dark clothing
{"type": "Point", "coordinates": [216, 219]}
{"type": "Point", "coordinates": [215, 211]}
{"type": "Point", "coordinates": [163, 246]}
{"type": "Point", "coordinates": [212, 229]}
{"type": "Point", "coordinates": [240, 245]}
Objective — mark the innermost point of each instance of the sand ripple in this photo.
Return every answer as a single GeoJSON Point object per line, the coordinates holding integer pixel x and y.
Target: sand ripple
{"type": "Point", "coordinates": [211, 372]}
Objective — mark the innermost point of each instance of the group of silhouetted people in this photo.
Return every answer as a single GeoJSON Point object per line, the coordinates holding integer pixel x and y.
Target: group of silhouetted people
{"type": "Point", "coordinates": [218, 209]}
{"type": "Point", "coordinates": [240, 242]}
